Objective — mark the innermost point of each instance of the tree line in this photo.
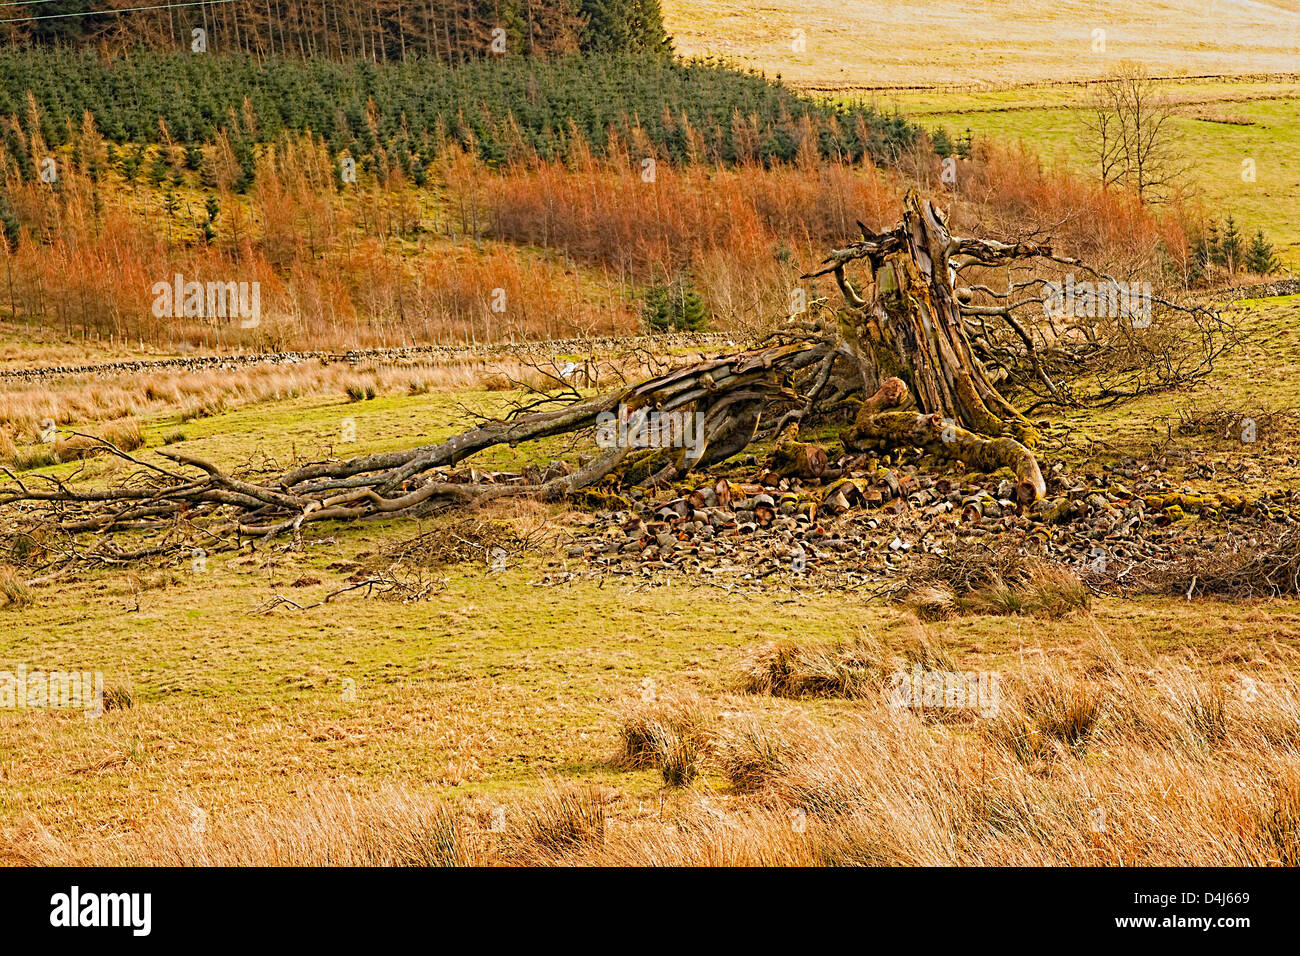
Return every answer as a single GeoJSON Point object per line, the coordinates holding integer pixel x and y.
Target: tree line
{"type": "Point", "coordinates": [377, 30]}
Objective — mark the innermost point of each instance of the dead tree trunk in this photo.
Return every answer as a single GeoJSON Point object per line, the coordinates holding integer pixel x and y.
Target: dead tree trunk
{"type": "Point", "coordinates": [908, 326]}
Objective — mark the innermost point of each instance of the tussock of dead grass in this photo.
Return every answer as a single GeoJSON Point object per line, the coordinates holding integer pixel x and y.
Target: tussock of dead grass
{"type": "Point", "coordinates": [562, 819]}
{"type": "Point", "coordinates": [854, 668]}
{"type": "Point", "coordinates": [919, 648]}
{"type": "Point", "coordinates": [33, 456]}
{"type": "Point", "coordinates": [843, 669]}
{"type": "Point", "coordinates": [668, 730]}
{"type": "Point", "coordinates": [1048, 591]}
{"type": "Point", "coordinates": [1055, 712]}
{"type": "Point", "coordinates": [124, 433]}
{"type": "Point", "coordinates": [119, 695]}
{"type": "Point", "coordinates": [1203, 708]}
{"type": "Point", "coordinates": [931, 602]}
{"type": "Point", "coordinates": [14, 592]}
{"type": "Point", "coordinates": [752, 754]}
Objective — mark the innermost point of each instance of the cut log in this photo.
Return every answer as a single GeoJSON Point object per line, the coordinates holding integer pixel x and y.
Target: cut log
{"type": "Point", "coordinates": [792, 458]}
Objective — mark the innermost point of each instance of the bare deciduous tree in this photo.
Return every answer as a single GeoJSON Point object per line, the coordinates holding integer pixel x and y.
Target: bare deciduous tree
{"type": "Point", "coordinates": [1132, 138]}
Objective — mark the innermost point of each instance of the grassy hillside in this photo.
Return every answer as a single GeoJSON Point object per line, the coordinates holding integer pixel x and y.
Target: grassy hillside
{"type": "Point", "coordinates": [909, 43]}
{"type": "Point", "coordinates": [1219, 125]}
{"type": "Point", "coordinates": [390, 691]}
{"type": "Point", "coordinates": [1014, 75]}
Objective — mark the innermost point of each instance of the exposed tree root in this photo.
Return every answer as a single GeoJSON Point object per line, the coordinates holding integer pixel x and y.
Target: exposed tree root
{"type": "Point", "coordinates": [879, 428]}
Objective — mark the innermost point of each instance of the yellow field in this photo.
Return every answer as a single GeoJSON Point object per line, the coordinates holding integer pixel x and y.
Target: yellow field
{"type": "Point", "coordinates": [871, 44]}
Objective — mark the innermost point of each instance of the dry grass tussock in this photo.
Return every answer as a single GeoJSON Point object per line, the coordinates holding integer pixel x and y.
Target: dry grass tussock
{"type": "Point", "coordinates": [124, 433]}
{"type": "Point", "coordinates": [854, 668]}
{"type": "Point", "coordinates": [668, 730]}
{"type": "Point", "coordinates": [562, 819]}
{"type": "Point", "coordinates": [1106, 761]}
{"type": "Point", "coordinates": [15, 594]}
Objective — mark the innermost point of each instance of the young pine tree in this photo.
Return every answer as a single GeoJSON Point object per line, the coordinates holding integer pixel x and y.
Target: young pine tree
{"type": "Point", "coordinates": [1214, 246]}
{"type": "Point", "coordinates": [943, 146]}
{"type": "Point", "coordinates": [965, 144]}
{"type": "Point", "coordinates": [213, 208]}
{"type": "Point", "coordinates": [8, 222]}
{"type": "Point", "coordinates": [1259, 257]}
{"type": "Point", "coordinates": [1232, 246]}
{"type": "Point", "coordinates": [622, 26]}
{"type": "Point", "coordinates": [674, 306]}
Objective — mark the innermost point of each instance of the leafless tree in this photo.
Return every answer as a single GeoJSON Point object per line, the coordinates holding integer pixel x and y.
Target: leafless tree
{"type": "Point", "coordinates": [1132, 141]}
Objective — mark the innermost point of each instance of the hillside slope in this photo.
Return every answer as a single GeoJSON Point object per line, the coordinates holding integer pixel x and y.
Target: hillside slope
{"type": "Point", "coordinates": [900, 43]}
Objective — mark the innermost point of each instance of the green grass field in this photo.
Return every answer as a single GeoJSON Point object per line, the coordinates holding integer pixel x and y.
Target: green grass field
{"type": "Point", "coordinates": [1218, 128]}
{"type": "Point", "coordinates": [498, 680]}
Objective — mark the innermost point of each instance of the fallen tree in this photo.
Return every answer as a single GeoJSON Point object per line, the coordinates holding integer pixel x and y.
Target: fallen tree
{"type": "Point", "coordinates": [724, 392]}
{"type": "Point", "coordinates": [906, 340]}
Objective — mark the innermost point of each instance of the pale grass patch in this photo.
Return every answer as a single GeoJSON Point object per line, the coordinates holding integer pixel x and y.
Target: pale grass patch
{"type": "Point", "coordinates": [203, 393]}
{"type": "Point", "coordinates": [853, 668]}
{"type": "Point", "coordinates": [15, 594]}
{"type": "Point", "coordinates": [753, 753]}
{"type": "Point", "coordinates": [563, 819]}
{"type": "Point", "coordinates": [877, 785]}
{"type": "Point", "coordinates": [331, 827]}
